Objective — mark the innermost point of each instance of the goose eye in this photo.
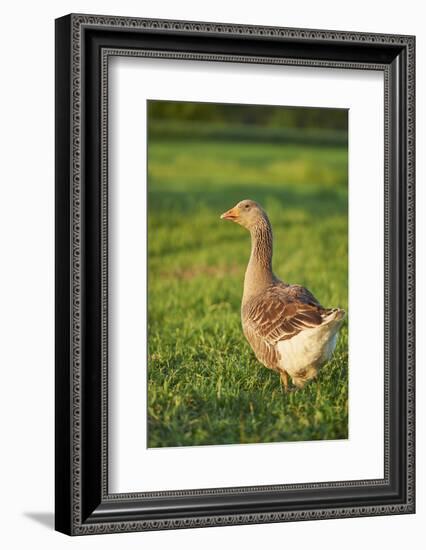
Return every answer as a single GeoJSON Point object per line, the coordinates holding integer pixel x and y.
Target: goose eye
{"type": "Point", "coordinates": [247, 206]}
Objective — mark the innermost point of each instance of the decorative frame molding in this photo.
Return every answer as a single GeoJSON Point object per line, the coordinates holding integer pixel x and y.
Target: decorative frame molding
{"type": "Point", "coordinates": [84, 43]}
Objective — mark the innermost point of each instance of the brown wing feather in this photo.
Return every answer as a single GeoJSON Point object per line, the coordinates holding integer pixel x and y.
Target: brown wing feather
{"type": "Point", "coordinates": [300, 293]}
{"type": "Point", "coordinates": [278, 314]}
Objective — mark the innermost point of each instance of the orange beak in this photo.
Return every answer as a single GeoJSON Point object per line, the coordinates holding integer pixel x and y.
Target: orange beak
{"type": "Point", "coordinates": [230, 215]}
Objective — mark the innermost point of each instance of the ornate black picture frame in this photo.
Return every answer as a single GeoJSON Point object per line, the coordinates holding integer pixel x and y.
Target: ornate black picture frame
{"type": "Point", "coordinates": [84, 44]}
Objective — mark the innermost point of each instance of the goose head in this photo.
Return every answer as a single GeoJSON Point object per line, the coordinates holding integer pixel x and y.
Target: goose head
{"type": "Point", "coordinates": [246, 213]}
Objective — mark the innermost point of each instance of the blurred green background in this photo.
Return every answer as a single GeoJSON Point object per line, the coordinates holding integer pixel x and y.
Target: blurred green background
{"type": "Point", "coordinates": [205, 385]}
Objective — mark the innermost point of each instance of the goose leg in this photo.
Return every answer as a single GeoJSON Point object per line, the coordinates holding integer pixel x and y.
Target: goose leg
{"type": "Point", "coordinates": [284, 380]}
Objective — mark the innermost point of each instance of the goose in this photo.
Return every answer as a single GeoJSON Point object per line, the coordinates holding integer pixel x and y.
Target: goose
{"type": "Point", "coordinates": [289, 331]}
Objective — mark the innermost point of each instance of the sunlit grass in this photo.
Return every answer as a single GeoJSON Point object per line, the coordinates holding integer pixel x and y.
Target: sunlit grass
{"type": "Point", "coordinates": [204, 384]}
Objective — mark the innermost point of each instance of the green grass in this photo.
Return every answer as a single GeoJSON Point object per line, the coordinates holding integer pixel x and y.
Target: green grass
{"type": "Point", "coordinates": [205, 385]}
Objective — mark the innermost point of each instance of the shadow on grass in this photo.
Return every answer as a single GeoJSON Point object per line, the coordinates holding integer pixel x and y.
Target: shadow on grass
{"type": "Point", "coordinates": [315, 203]}
{"type": "Point", "coordinates": [170, 204]}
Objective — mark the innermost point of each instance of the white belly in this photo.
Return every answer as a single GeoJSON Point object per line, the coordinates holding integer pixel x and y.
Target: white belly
{"type": "Point", "coordinates": [309, 349]}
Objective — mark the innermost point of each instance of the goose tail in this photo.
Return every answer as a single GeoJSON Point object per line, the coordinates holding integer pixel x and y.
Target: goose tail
{"type": "Point", "coordinates": [334, 314]}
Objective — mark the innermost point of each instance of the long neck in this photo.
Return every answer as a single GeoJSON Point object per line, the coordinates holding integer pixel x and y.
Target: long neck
{"type": "Point", "coordinates": [259, 269]}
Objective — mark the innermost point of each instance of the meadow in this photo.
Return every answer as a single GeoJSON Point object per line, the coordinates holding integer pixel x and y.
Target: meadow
{"type": "Point", "coordinates": [205, 385]}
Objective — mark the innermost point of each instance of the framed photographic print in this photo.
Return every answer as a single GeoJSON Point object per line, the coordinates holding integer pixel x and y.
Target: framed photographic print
{"type": "Point", "coordinates": [234, 274]}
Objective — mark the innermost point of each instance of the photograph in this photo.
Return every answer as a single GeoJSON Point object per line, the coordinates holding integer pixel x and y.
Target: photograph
{"type": "Point", "coordinates": [234, 274]}
{"type": "Point", "coordinates": [247, 255]}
